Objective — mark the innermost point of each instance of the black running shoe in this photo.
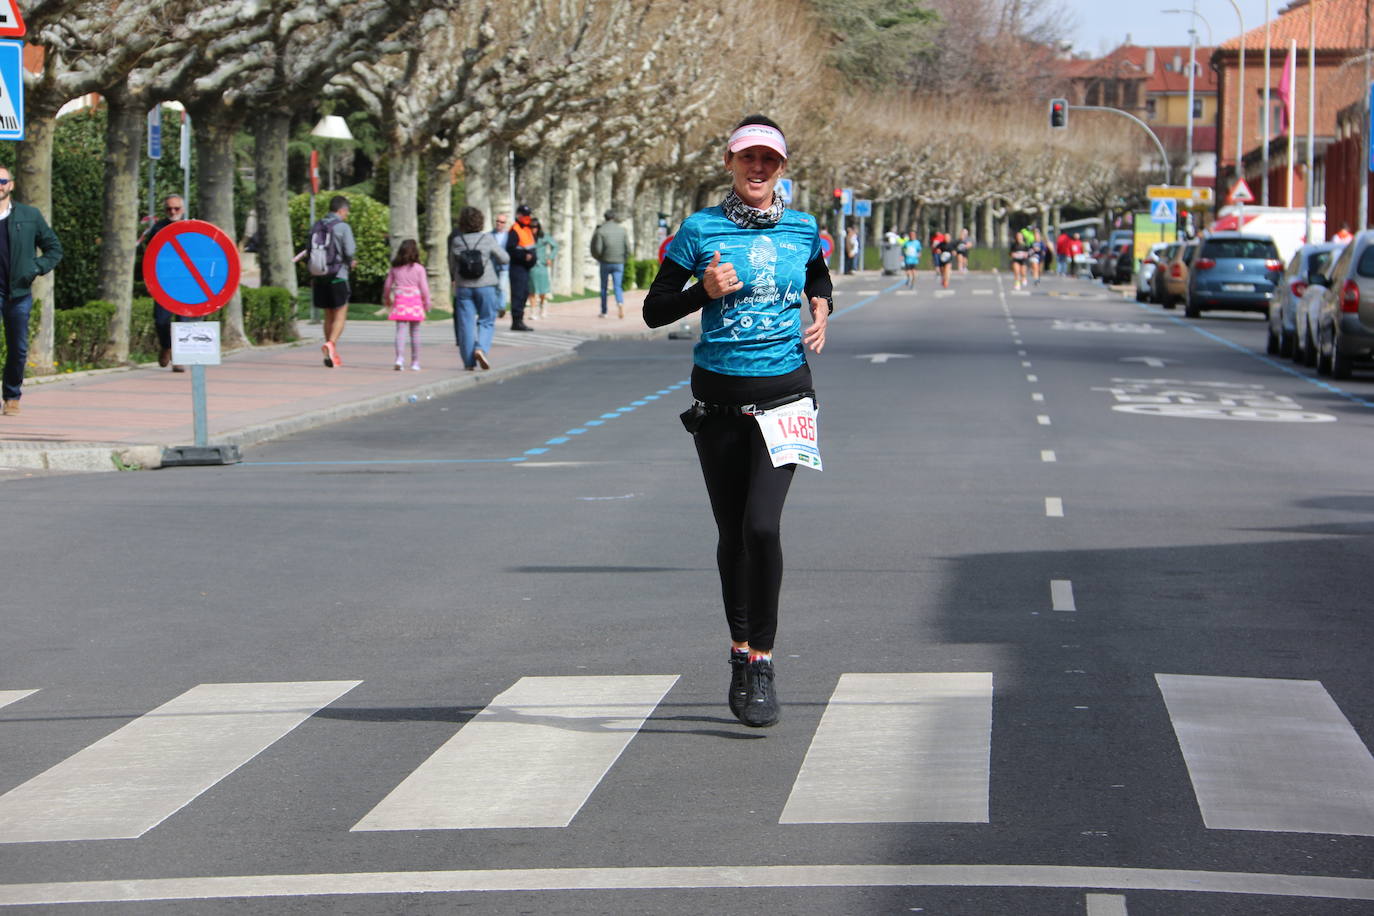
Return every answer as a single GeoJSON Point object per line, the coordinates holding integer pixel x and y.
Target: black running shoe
{"type": "Point", "coordinates": [761, 702]}
{"type": "Point", "coordinates": [739, 683]}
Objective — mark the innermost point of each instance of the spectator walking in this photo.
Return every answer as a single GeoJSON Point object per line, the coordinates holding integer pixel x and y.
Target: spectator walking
{"type": "Point", "coordinates": [173, 209]}
{"type": "Point", "coordinates": [851, 249]}
{"type": "Point", "coordinates": [751, 357]}
{"type": "Point", "coordinates": [611, 248]}
{"type": "Point", "coordinates": [1075, 253]}
{"type": "Point", "coordinates": [911, 257]}
{"type": "Point", "coordinates": [1062, 253]}
{"type": "Point", "coordinates": [1342, 234]}
{"type": "Point", "coordinates": [473, 258]}
{"type": "Point", "coordinates": [330, 293]}
{"type": "Point", "coordinates": [500, 232]}
{"type": "Point", "coordinates": [541, 283]}
{"type": "Point", "coordinates": [520, 249]}
{"type": "Point", "coordinates": [22, 231]}
{"type": "Point", "coordinates": [405, 293]}
{"type": "Point", "coordinates": [962, 248]}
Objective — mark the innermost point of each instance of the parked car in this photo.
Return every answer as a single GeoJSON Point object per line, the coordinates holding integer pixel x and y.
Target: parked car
{"type": "Point", "coordinates": [1345, 325]}
{"type": "Point", "coordinates": [1283, 311]}
{"type": "Point", "coordinates": [1119, 262]}
{"type": "Point", "coordinates": [1176, 280]}
{"type": "Point", "coordinates": [1233, 271]}
{"type": "Point", "coordinates": [1144, 278]}
{"type": "Point", "coordinates": [1162, 270]}
{"type": "Point", "coordinates": [1305, 321]}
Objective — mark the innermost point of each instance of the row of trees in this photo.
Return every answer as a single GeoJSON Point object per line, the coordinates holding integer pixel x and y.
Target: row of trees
{"type": "Point", "coordinates": [579, 104]}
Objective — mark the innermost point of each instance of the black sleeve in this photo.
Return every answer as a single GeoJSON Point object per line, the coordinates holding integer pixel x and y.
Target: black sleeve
{"type": "Point", "coordinates": [667, 301]}
{"type": "Point", "coordinates": [818, 283]}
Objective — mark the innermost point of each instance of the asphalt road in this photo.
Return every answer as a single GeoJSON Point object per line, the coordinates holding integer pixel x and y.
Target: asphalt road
{"type": "Point", "coordinates": [1074, 621]}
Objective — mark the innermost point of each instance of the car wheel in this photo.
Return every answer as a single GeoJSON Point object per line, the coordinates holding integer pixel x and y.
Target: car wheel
{"type": "Point", "coordinates": [1192, 311]}
{"type": "Point", "coordinates": [1169, 302]}
{"type": "Point", "coordinates": [1340, 363]}
{"type": "Point", "coordinates": [1309, 352]}
{"type": "Point", "coordinates": [1140, 297]}
{"type": "Point", "coordinates": [1285, 344]}
{"type": "Point", "coordinates": [1323, 360]}
{"type": "Point", "coordinates": [1271, 342]}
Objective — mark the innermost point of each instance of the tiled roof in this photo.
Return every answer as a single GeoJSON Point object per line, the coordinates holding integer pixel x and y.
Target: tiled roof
{"type": "Point", "coordinates": [1154, 65]}
{"type": "Point", "coordinates": [1339, 26]}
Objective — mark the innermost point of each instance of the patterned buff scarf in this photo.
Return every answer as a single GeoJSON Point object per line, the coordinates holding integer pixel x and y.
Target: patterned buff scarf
{"type": "Point", "coordinates": [746, 217]}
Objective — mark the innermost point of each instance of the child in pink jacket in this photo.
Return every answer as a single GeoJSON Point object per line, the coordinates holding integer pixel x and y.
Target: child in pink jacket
{"type": "Point", "coordinates": [406, 293]}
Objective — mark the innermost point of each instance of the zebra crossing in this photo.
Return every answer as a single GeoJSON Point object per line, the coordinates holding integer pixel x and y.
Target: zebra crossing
{"type": "Point", "coordinates": [1262, 754]}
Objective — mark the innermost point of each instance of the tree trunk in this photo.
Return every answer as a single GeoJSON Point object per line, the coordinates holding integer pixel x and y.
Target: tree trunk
{"type": "Point", "coordinates": [561, 211]}
{"type": "Point", "coordinates": [958, 225]}
{"type": "Point", "coordinates": [33, 173]}
{"type": "Point", "coordinates": [475, 184]}
{"type": "Point", "coordinates": [215, 202]}
{"type": "Point", "coordinates": [405, 196]}
{"type": "Point", "coordinates": [119, 227]}
{"type": "Point", "coordinates": [271, 131]}
{"type": "Point", "coordinates": [439, 222]}
{"type": "Point", "coordinates": [639, 219]}
{"type": "Point", "coordinates": [586, 272]}
{"type": "Point", "coordinates": [986, 232]}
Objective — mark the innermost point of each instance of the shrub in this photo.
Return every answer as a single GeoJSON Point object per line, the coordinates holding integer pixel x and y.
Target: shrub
{"type": "Point", "coordinates": [81, 334]}
{"type": "Point", "coordinates": [639, 273]}
{"type": "Point", "coordinates": [143, 343]}
{"type": "Point", "coordinates": [269, 315]}
{"type": "Point", "coordinates": [371, 222]}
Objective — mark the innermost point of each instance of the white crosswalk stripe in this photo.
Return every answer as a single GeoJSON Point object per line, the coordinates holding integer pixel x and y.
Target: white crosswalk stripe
{"type": "Point", "coordinates": [531, 758]}
{"type": "Point", "coordinates": [130, 781]}
{"type": "Point", "coordinates": [13, 696]}
{"type": "Point", "coordinates": [1261, 754]}
{"type": "Point", "coordinates": [898, 748]}
{"type": "Point", "coordinates": [1271, 754]}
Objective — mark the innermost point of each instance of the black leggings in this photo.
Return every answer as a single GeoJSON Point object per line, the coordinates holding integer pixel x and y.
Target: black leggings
{"type": "Point", "coordinates": [747, 495]}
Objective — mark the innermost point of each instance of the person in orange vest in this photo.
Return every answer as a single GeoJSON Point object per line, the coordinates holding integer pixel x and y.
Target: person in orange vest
{"type": "Point", "coordinates": [1342, 234]}
{"type": "Point", "coordinates": [520, 247]}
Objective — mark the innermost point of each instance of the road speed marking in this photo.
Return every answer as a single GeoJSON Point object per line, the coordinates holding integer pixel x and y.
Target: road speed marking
{"type": "Point", "coordinates": [1105, 327]}
{"type": "Point", "coordinates": [1203, 400]}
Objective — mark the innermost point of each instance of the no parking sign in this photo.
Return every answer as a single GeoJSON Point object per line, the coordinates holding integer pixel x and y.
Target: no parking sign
{"type": "Point", "coordinates": [192, 268]}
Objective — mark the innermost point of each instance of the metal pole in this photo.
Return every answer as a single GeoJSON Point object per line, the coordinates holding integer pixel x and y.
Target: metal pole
{"type": "Point", "coordinates": [198, 403]}
{"type": "Point", "coordinates": [1192, 66]}
{"type": "Point", "coordinates": [1311, 118]}
{"type": "Point", "coordinates": [1126, 114]}
{"type": "Point", "coordinates": [1363, 211]}
{"type": "Point", "coordinates": [1240, 97]}
{"type": "Point", "coordinates": [186, 168]}
{"type": "Point", "coordinates": [1264, 174]}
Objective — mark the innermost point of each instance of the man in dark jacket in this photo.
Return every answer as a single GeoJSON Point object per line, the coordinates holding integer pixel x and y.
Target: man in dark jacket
{"type": "Point", "coordinates": [611, 248]}
{"type": "Point", "coordinates": [174, 209]}
{"type": "Point", "coordinates": [24, 231]}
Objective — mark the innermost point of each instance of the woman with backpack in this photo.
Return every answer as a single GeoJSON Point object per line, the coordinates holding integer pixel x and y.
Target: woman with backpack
{"type": "Point", "coordinates": [472, 256]}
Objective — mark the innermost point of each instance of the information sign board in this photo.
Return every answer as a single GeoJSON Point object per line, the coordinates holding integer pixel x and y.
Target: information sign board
{"type": "Point", "coordinates": [11, 89]}
{"type": "Point", "coordinates": [195, 343]}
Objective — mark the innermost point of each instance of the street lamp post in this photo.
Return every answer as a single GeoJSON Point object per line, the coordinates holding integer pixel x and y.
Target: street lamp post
{"type": "Point", "coordinates": [1240, 95]}
{"type": "Point", "coordinates": [1192, 67]}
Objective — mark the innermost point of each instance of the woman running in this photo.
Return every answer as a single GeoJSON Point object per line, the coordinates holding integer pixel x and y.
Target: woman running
{"type": "Point", "coordinates": [759, 266]}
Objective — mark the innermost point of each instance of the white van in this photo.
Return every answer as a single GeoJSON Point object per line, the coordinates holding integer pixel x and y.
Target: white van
{"type": "Point", "coordinates": [1285, 225]}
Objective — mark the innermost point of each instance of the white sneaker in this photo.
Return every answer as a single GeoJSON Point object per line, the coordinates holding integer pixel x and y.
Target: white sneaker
{"type": "Point", "coordinates": [414, 367]}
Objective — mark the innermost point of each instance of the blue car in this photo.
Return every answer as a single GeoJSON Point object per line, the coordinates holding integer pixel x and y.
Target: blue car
{"type": "Point", "coordinates": [1233, 271]}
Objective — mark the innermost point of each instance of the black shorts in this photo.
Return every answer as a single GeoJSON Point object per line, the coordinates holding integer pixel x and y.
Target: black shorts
{"type": "Point", "coordinates": [327, 293]}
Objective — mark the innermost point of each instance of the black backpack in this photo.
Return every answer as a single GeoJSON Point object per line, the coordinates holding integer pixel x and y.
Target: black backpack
{"type": "Point", "coordinates": [471, 264]}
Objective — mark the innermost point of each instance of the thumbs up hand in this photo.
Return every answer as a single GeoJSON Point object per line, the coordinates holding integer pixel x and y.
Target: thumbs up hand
{"type": "Point", "coordinates": [720, 279]}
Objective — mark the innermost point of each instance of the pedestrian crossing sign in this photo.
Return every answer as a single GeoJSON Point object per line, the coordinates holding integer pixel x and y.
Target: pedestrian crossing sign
{"type": "Point", "coordinates": [1164, 211]}
{"type": "Point", "coordinates": [11, 90]}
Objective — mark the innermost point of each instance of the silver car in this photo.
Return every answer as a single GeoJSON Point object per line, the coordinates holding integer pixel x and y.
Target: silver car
{"type": "Point", "coordinates": [1309, 261]}
{"type": "Point", "coordinates": [1345, 326]}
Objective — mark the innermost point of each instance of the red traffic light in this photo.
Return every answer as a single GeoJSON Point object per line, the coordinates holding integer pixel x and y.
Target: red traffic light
{"type": "Point", "coordinates": [1059, 113]}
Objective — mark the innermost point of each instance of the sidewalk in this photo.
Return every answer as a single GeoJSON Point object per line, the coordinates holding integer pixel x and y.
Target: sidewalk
{"type": "Point", "coordinates": [111, 418]}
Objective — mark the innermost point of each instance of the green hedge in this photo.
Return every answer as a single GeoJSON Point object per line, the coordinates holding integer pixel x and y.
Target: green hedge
{"type": "Point", "coordinates": [639, 274]}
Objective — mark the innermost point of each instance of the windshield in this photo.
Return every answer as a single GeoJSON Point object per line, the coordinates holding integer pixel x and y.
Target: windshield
{"type": "Point", "coordinates": [1255, 249]}
{"type": "Point", "coordinates": [1366, 265]}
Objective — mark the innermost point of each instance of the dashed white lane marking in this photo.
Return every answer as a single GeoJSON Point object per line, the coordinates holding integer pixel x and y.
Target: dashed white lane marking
{"type": "Point", "coordinates": [927, 744]}
{"type": "Point", "coordinates": [1106, 905]}
{"type": "Point", "coordinates": [1271, 754]}
{"type": "Point", "coordinates": [1025, 364]}
{"type": "Point", "coordinates": [1054, 507]}
{"type": "Point", "coordinates": [1032, 378]}
{"type": "Point", "coordinates": [531, 758]}
{"type": "Point", "coordinates": [133, 779]}
{"type": "Point", "coordinates": [676, 877]}
{"type": "Point", "coordinates": [1043, 419]}
{"type": "Point", "coordinates": [1048, 456]}
{"type": "Point", "coordinates": [1037, 396]}
{"type": "Point", "coordinates": [1061, 595]}
{"type": "Point", "coordinates": [1020, 352]}
{"type": "Point", "coordinates": [13, 696]}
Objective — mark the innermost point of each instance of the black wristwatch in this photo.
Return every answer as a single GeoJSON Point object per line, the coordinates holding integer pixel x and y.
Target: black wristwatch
{"type": "Point", "coordinates": [830, 304]}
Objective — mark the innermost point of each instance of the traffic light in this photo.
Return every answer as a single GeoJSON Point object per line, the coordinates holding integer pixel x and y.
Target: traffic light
{"type": "Point", "coordinates": [839, 199]}
{"type": "Point", "coordinates": [1059, 113]}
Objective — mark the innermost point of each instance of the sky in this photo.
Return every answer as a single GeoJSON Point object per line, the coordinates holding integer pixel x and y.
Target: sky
{"type": "Point", "coordinates": [1101, 25]}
